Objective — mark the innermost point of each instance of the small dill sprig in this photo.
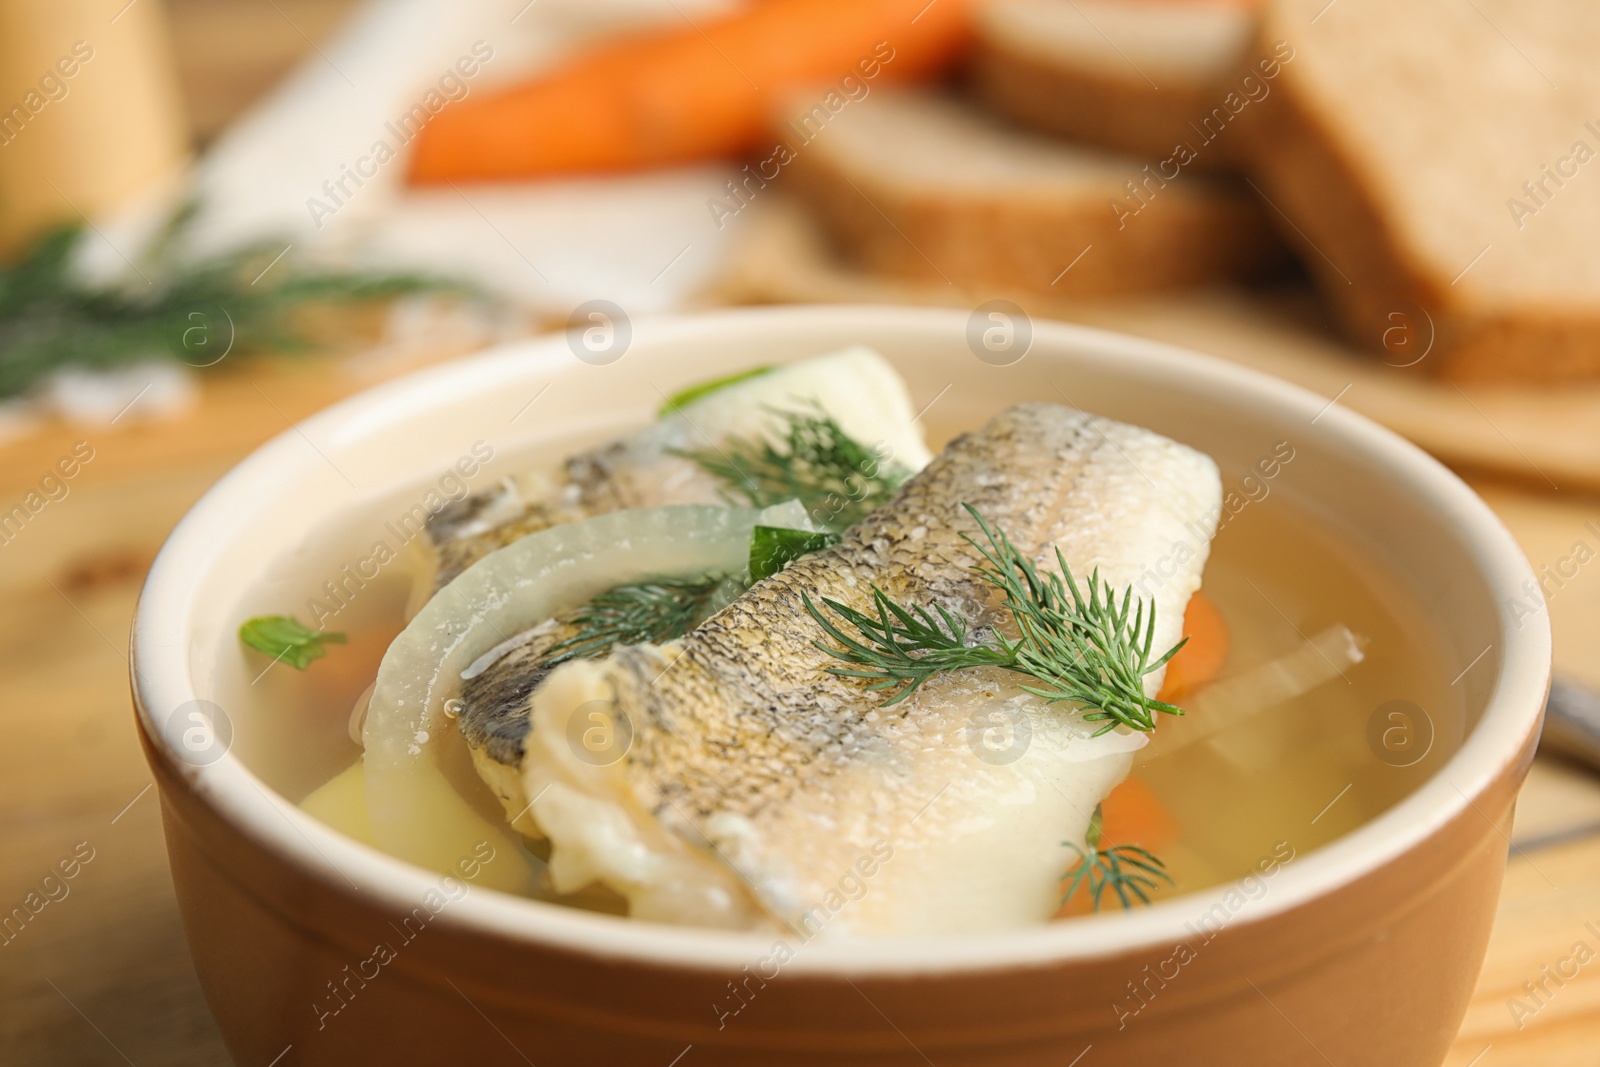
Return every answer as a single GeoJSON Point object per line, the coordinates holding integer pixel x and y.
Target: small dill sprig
{"type": "Point", "coordinates": [642, 613]}
{"type": "Point", "coordinates": [903, 646]}
{"type": "Point", "coordinates": [192, 310]}
{"type": "Point", "coordinates": [1087, 649]}
{"type": "Point", "coordinates": [1127, 870]}
{"type": "Point", "coordinates": [836, 478]}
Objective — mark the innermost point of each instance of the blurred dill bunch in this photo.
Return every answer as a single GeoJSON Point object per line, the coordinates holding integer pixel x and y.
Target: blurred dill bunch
{"type": "Point", "coordinates": [250, 300]}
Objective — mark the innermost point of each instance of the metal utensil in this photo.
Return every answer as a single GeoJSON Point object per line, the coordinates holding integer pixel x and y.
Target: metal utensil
{"type": "Point", "coordinates": [1572, 722]}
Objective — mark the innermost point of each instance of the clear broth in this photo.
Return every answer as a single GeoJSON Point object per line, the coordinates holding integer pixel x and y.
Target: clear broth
{"type": "Point", "coordinates": [1309, 771]}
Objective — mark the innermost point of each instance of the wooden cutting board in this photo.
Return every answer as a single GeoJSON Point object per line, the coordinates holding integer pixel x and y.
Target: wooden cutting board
{"type": "Point", "coordinates": [1548, 437]}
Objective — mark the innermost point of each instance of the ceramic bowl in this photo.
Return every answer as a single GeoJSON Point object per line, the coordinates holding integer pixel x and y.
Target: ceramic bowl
{"type": "Point", "coordinates": [1364, 951]}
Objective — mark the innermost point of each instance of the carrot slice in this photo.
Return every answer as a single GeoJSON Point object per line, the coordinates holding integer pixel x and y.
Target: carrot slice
{"type": "Point", "coordinates": [1203, 657]}
{"type": "Point", "coordinates": [696, 90]}
{"type": "Point", "coordinates": [1131, 815]}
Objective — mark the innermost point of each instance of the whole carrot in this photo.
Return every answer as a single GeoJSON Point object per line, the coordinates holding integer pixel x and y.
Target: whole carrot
{"type": "Point", "coordinates": [694, 91]}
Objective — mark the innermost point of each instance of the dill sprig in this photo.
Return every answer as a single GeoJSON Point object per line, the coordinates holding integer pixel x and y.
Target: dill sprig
{"type": "Point", "coordinates": [836, 478]}
{"type": "Point", "coordinates": [170, 307]}
{"type": "Point", "coordinates": [1127, 870]}
{"type": "Point", "coordinates": [642, 613]}
{"type": "Point", "coordinates": [1087, 649]}
{"type": "Point", "coordinates": [903, 646]}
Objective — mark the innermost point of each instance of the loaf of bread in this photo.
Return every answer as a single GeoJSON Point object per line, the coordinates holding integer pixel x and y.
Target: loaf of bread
{"type": "Point", "coordinates": [923, 186]}
{"type": "Point", "coordinates": [1435, 163]}
{"type": "Point", "coordinates": [1141, 77]}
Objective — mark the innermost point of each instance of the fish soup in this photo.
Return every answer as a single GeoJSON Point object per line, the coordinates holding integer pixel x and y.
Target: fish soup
{"type": "Point", "coordinates": [1312, 697]}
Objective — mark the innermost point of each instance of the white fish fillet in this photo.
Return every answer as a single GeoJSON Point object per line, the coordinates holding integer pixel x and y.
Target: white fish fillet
{"type": "Point", "coordinates": [758, 789]}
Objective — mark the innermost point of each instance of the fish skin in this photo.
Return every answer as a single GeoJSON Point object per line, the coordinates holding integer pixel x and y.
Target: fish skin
{"type": "Point", "coordinates": [753, 769]}
{"type": "Point", "coordinates": [465, 531]}
{"type": "Point", "coordinates": [494, 691]}
{"type": "Point", "coordinates": [494, 716]}
{"type": "Point", "coordinates": [494, 712]}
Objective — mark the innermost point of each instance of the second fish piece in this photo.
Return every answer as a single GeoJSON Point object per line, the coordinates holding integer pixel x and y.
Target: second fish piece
{"type": "Point", "coordinates": [755, 788]}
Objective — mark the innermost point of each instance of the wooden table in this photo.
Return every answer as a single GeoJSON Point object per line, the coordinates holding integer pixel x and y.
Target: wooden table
{"type": "Point", "coordinates": [102, 976]}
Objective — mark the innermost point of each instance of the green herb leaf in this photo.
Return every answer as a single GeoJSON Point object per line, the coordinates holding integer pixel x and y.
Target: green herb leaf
{"type": "Point", "coordinates": [705, 389]}
{"type": "Point", "coordinates": [1087, 649]}
{"type": "Point", "coordinates": [285, 637]}
{"type": "Point", "coordinates": [1127, 870]}
{"type": "Point", "coordinates": [773, 547]}
{"type": "Point", "coordinates": [642, 612]}
{"type": "Point", "coordinates": [837, 479]}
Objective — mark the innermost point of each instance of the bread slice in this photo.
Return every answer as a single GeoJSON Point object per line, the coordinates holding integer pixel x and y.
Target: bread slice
{"type": "Point", "coordinates": [1136, 76]}
{"type": "Point", "coordinates": [1282, 330]}
{"type": "Point", "coordinates": [924, 186]}
{"type": "Point", "coordinates": [1438, 165]}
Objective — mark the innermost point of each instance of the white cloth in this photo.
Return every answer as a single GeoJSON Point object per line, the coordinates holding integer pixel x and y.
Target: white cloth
{"type": "Point", "coordinates": [645, 241]}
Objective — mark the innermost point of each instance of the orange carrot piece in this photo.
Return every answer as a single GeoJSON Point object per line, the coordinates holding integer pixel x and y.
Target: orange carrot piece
{"type": "Point", "coordinates": [1080, 904]}
{"type": "Point", "coordinates": [1131, 815]}
{"type": "Point", "coordinates": [1202, 658]}
{"type": "Point", "coordinates": [688, 92]}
